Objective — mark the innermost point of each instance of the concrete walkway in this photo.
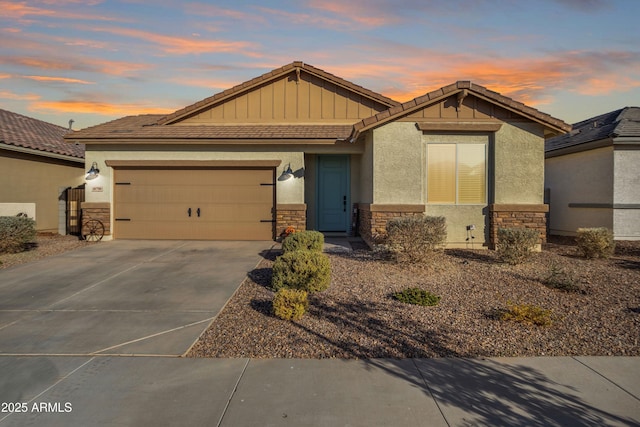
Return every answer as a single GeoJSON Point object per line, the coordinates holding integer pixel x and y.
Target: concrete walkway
{"type": "Point", "coordinates": [93, 337]}
{"type": "Point", "coordinates": [159, 391]}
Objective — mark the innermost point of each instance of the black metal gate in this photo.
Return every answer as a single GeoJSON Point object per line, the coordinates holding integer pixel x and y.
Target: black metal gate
{"type": "Point", "coordinates": [74, 197]}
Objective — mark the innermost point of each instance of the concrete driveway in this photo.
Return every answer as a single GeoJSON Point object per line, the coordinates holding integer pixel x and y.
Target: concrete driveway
{"type": "Point", "coordinates": [121, 297]}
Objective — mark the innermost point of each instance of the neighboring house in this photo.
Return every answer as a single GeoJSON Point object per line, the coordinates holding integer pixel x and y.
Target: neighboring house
{"type": "Point", "coordinates": [593, 175]}
{"type": "Point", "coordinates": [217, 169]}
{"type": "Point", "coordinates": [36, 165]}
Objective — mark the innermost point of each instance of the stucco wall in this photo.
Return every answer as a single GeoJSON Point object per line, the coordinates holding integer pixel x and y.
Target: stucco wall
{"type": "Point", "coordinates": [584, 177]}
{"type": "Point", "coordinates": [519, 164]}
{"type": "Point", "coordinates": [398, 164]}
{"type": "Point", "coordinates": [458, 218]}
{"type": "Point", "coordinates": [626, 195]}
{"type": "Point", "coordinates": [366, 171]}
{"type": "Point", "coordinates": [33, 179]}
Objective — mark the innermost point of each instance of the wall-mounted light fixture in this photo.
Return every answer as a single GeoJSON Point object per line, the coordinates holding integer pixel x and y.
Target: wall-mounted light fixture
{"type": "Point", "coordinates": [93, 172]}
{"type": "Point", "coordinates": [286, 174]}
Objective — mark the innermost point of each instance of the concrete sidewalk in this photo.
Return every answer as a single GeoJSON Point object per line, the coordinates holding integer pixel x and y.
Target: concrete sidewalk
{"type": "Point", "coordinates": [151, 391]}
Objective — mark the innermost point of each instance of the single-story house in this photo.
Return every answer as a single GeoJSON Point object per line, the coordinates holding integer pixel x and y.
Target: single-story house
{"type": "Point", "coordinates": [301, 147]}
{"type": "Point", "coordinates": [593, 175]}
{"type": "Point", "coordinates": [36, 166]}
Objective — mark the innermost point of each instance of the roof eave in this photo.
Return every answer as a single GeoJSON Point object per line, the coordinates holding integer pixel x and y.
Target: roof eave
{"type": "Point", "coordinates": [41, 153]}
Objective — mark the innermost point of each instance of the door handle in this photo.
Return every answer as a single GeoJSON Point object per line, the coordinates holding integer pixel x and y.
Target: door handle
{"type": "Point", "coordinates": [189, 211]}
{"type": "Point", "coordinates": [344, 203]}
{"type": "Point", "coordinates": [198, 212]}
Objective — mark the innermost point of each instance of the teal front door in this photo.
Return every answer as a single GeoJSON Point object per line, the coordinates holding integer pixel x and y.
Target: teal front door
{"type": "Point", "coordinates": [333, 193]}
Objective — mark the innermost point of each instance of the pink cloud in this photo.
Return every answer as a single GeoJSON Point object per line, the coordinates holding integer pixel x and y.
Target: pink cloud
{"type": "Point", "coordinates": [96, 107]}
{"type": "Point", "coordinates": [58, 79]}
{"type": "Point", "coordinates": [114, 68]}
{"type": "Point", "coordinates": [21, 11]}
{"type": "Point", "coordinates": [180, 45]}
{"type": "Point", "coordinates": [19, 96]}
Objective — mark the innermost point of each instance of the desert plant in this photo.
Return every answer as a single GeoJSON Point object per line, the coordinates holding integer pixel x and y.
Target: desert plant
{"type": "Point", "coordinates": [415, 238]}
{"type": "Point", "coordinates": [558, 278]}
{"type": "Point", "coordinates": [290, 304]}
{"type": "Point", "coordinates": [417, 296]}
{"type": "Point", "coordinates": [516, 244]}
{"type": "Point", "coordinates": [595, 242]}
{"type": "Point", "coordinates": [305, 270]}
{"type": "Point", "coordinates": [527, 313]}
{"type": "Point", "coordinates": [303, 240]}
{"type": "Point", "coordinates": [16, 233]}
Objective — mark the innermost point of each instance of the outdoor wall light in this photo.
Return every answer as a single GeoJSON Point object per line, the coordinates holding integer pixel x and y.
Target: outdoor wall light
{"type": "Point", "coordinates": [93, 172]}
{"type": "Point", "coordinates": [286, 174]}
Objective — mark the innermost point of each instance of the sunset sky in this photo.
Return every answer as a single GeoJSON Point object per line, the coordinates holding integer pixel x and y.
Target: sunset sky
{"type": "Point", "coordinates": [95, 61]}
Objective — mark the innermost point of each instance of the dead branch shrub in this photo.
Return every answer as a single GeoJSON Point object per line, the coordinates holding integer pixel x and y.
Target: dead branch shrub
{"type": "Point", "coordinates": [16, 233]}
{"type": "Point", "coordinates": [516, 244]}
{"type": "Point", "coordinates": [416, 238]}
{"type": "Point", "coordinates": [595, 242]}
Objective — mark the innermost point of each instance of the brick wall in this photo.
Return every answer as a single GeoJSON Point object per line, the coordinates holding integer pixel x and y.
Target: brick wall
{"type": "Point", "coordinates": [372, 219]}
{"type": "Point", "coordinates": [517, 216]}
{"type": "Point", "coordinates": [290, 216]}
{"type": "Point", "coordinates": [99, 211]}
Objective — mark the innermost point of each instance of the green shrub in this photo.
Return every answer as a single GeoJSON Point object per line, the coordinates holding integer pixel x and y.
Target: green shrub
{"type": "Point", "coordinates": [16, 233]}
{"type": "Point", "coordinates": [290, 304]}
{"type": "Point", "coordinates": [516, 244]}
{"type": "Point", "coordinates": [417, 296]}
{"type": "Point", "coordinates": [561, 280]}
{"type": "Point", "coordinates": [595, 242]}
{"type": "Point", "coordinates": [416, 238]}
{"type": "Point", "coordinates": [527, 313]}
{"type": "Point", "coordinates": [304, 270]}
{"type": "Point", "coordinates": [303, 240]}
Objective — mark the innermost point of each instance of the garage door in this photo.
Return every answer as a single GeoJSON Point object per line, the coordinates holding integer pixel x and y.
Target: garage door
{"type": "Point", "coordinates": [194, 204]}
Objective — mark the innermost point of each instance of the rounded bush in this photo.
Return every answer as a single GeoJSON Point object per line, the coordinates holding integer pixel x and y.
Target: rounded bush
{"type": "Point", "coordinates": [416, 238]}
{"type": "Point", "coordinates": [596, 242]}
{"type": "Point", "coordinates": [303, 241]}
{"type": "Point", "coordinates": [516, 244]}
{"type": "Point", "coordinates": [304, 270]}
{"type": "Point", "coordinates": [290, 304]}
{"type": "Point", "coordinates": [15, 233]}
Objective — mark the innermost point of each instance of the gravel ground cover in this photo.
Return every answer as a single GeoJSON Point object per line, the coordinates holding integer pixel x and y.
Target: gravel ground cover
{"type": "Point", "coordinates": [44, 246]}
{"type": "Point", "coordinates": [358, 318]}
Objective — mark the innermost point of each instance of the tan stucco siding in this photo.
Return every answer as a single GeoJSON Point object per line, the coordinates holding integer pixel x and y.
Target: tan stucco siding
{"type": "Point", "coordinates": [458, 218]}
{"type": "Point", "coordinates": [31, 179]}
{"type": "Point", "coordinates": [585, 178]}
{"type": "Point", "coordinates": [398, 164]}
{"type": "Point", "coordinates": [519, 164]}
{"type": "Point", "coordinates": [366, 170]}
{"type": "Point", "coordinates": [626, 194]}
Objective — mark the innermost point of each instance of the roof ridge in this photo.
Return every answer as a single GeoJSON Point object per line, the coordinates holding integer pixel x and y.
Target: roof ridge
{"type": "Point", "coordinates": [458, 86]}
{"type": "Point", "coordinates": [33, 118]}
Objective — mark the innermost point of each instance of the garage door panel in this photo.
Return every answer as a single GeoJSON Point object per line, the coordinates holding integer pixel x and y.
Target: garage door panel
{"type": "Point", "coordinates": [234, 204]}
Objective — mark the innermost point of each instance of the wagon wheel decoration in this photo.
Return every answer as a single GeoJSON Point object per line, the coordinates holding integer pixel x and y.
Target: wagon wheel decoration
{"type": "Point", "coordinates": [94, 230]}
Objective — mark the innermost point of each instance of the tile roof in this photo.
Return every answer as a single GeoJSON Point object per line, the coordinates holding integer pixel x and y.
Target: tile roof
{"type": "Point", "coordinates": [271, 75]}
{"type": "Point", "coordinates": [446, 91]}
{"type": "Point", "coordinates": [624, 122]}
{"type": "Point", "coordinates": [26, 132]}
{"type": "Point", "coordinates": [146, 127]}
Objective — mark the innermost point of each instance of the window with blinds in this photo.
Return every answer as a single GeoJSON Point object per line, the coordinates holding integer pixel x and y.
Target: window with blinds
{"type": "Point", "coordinates": [456, 174]}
